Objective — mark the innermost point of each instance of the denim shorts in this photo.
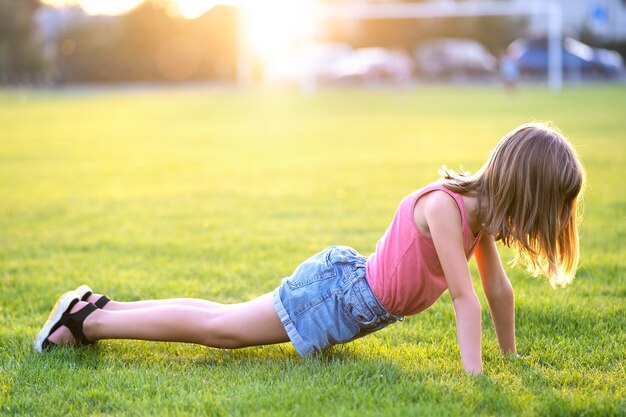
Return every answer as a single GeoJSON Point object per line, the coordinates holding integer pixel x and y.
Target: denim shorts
{"type": "Point", "coordinates": [327, 301]}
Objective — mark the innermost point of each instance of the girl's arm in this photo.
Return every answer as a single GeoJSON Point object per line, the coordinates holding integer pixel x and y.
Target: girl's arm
{"type": "Point", "coordinates": [499, 293]}
{"type": "Point", "coordinates": [444, 223]}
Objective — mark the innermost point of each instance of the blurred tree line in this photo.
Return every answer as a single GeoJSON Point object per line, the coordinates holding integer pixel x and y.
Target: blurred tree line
{"type": "Point", "coordinates": [20, 47]}
{"type": "Point", "coordinates": [146, 44]}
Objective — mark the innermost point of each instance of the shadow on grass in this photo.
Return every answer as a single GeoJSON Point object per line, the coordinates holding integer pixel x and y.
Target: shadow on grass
{"type": "Point", "coordinates": [109, 376]}
{"type": "Point", "coordinates": [364, 378]}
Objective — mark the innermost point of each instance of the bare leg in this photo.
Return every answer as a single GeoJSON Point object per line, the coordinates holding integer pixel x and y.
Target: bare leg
{"type": "Point", "coordinates": [133, 305]}
{"type": "Point", "coordinates": [247, 324]}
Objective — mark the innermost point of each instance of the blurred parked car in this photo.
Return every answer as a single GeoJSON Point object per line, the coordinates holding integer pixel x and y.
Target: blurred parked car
{"type": "Point", "coordinates": [454, 58]}
{"type": "Point", "coordinates": [315, 60]}
{"type": "Point", "coordinates": [336, 62]}
{"type": "Point", "coordinates": [531, 57]}
{"type": "Point", "coordinates": [372, 65]}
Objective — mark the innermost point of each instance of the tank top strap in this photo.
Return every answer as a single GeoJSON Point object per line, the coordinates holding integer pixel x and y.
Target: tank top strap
{"type": "Point", "coordinates": [457, 198]}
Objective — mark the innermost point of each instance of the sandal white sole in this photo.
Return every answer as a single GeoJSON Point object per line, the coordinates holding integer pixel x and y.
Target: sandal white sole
{"type": "Point", "coordinates": [61, 306]}
{"type": "Point", "coordinates": [82, 290]}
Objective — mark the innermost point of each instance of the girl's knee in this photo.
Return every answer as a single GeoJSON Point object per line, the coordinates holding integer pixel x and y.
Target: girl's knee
{"type": "Point", "coordinates": [217, 332]}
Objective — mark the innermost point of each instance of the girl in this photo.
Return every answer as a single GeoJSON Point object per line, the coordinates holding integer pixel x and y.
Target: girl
{"type": "Point", "coordinates": [524, 196]}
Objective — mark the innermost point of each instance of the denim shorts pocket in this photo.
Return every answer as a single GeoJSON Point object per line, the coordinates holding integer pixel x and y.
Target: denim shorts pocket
{"type": "Point", "coordinates": [356, 308]}
{"type": "Point", "coordinates": [310, 272]}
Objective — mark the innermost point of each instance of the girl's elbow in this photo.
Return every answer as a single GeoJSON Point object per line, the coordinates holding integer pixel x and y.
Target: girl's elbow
{"type": "Point", "coordinates": [467, 301]}
{"type": "Point", "coordinates": [504, 291]}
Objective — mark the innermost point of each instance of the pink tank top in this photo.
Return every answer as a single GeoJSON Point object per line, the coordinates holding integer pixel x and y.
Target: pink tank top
{"type": "Point", "coordinates": [405, 273]}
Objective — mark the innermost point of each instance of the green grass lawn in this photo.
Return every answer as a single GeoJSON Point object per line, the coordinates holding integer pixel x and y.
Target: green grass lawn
{"type": "Point", "coordinates": [219, 194]}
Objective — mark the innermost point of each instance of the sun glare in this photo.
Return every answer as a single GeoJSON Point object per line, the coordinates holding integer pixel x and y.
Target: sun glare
{"type": "Point", "coordinates": [272, 26]}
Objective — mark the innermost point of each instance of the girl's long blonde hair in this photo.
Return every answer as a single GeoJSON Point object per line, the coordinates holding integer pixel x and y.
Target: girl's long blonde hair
{"type": "Point", "coordinates": [528, 191]}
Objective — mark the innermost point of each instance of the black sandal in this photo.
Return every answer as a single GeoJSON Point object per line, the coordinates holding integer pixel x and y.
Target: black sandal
{"type": "Point", "coordinates": [84, 292]}
{"type": "Point", "coordinates": [61, 316]}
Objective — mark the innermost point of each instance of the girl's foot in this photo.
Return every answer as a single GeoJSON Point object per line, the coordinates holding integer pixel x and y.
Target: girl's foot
{"type": "Point", "coordinates": [60, 310]}
{"type": "Point", "coordinates": [65, 324]}
{"type": "Point", "coordinates": [63, 335]}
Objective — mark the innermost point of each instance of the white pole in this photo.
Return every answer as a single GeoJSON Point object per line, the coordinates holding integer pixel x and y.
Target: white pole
{"type": "Point", "coordinates": [244, 58]}
{"type": "Point", "coordinates": [555, 47]}
{"type": "Point", "coordinates": [306, 35]}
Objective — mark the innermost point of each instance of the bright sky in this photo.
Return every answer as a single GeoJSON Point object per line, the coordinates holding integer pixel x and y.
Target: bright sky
{"type": "Point", "coordinates": [97, 6]}
{"type": "Point", "coordinates": [271, 26]}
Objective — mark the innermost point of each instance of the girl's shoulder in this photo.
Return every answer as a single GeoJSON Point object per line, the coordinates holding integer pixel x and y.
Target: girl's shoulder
{"type": "Point", "coordinates": [433, 186]}
{"type": "Point", "coordinates": [437, 201]}
{"type": "Point", "coordinates": [449, 205]}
